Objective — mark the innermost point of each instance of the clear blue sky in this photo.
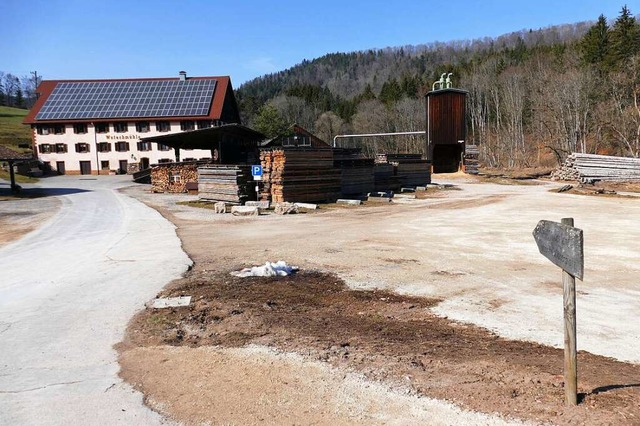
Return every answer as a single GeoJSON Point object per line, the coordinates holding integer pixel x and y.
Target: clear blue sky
{"type": "Point", "coordinates": [65, 39]}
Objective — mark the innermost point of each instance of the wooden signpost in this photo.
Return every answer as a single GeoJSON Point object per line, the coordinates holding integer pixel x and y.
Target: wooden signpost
{"type": "Point", "coordinates": [563, 245]}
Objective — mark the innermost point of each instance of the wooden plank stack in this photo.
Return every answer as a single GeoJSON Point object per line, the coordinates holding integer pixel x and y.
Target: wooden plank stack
{"type": "Point", "coordinates": [228, 183]}
{"type": "Point", "coordinates": [471, 159]}
{"type": "Point", "coordinates": [411, 169]}
{"type": "Point", "coordinates": [589, 168]}
{"type": "Point", "coordinates": [357, 174]}
{"type": "Point", "coordinates": [385, 178]}
{"type": "Point", "coordinates": [299, 175]}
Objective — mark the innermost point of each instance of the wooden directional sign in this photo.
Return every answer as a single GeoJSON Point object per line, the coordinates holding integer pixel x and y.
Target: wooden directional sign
{"type": "Point", "coordinates": [561, 244]}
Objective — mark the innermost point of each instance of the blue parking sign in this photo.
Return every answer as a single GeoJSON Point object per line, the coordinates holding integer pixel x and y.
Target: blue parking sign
{"type": "Point", "coordinates": [256, 170]}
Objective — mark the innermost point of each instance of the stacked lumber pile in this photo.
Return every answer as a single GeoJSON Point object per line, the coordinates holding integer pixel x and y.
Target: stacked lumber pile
{"type": "Point", "coordinates": [471, 159]}
{"type": "Point", "coordinates": [173, 177]}
{"type": "Point", "coordinates": [588, 168]}
{"type": "Point", "coordinates": [299, 175]}
{"type": "Point", "coordinates": [411, 169]}
{"type": "Point", "coordinates": [385, 178]}
{"type": "Point", "coordinates": [393, 171]}
{"type": "Point", "coordinates": [356, 171]}
{"type": "Point", "coordinates": [229, 183]}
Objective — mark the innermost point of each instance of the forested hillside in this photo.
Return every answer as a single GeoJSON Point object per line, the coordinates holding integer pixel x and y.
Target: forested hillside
{"type": "Point", "coordinates": [534, 96]}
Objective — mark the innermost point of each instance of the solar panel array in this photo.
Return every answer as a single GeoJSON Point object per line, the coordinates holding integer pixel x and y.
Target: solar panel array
{"type": "Point", "coordinates": [128, 99]}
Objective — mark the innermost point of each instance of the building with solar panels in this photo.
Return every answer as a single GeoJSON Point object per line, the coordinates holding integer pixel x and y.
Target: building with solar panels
{"type": "Point", "coordinates": [98, 126]}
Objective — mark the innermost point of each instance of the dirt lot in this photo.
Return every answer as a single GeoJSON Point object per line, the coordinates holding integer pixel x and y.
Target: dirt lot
{"type": "Point", "coordinates": [444, 297]}
{"type": "Point", "coordinates": [19, 216]}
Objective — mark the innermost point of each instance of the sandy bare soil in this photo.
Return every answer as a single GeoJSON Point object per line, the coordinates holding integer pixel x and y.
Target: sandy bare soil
{"type": "Point", "coordinates": [455, 290]}
{"type": "Point", "coordinates": [19, 216]}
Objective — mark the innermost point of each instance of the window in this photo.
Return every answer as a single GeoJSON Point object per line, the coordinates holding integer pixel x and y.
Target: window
{"type": "Point", "coordinates": [102, 127]}
{"type": "Point", "coordinates": [174, 177]}
{"type": "Point", "coordinates": [204, 124]}
{"type": "Point", "coordinates": [82, 147]}
{"type": "Point", "coordinates": [163, 147]}
{"type": "Point", "coordinates": [59, 129]}
{"type": "Point", "coordinates": [163, 126]}
{"type": "Point", "coordinates": [144, 146]}
{"type": "Point", "coordinates": [187, 125]}
{"type": "Point", "coordinates": [120, 127]}
{"type": "Point", "coordinates": [296, 141]}
{"type": "Point", "coordinates": [61, 148]}
{"type": "Point", "coordinates": [142, 127]}
{"type": "Point", "coordinates": [104, 147]}
{"type": "Point", "coordinates": [43, 130]}
{"type": "Point", "coordinates": [164, 160]}
{"type": "Point", "coordinates": [122, 146]}
{"type": "Point", "coordinates": [45, 148]}
{"type": "Point", "coordinates": [80, 128]}
{"type": "Point", "coordinates": [104, 164]}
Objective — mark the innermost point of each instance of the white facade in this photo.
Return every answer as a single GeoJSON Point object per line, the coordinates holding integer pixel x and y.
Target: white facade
{"type": "Point", "coordinates": [77, 148]}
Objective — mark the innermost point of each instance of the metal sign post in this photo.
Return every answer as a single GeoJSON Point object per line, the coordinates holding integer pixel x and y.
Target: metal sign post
{"type": "Point", "coordinates": [563, 245]}
{"type": "Point", "coordinates": [256, 172]}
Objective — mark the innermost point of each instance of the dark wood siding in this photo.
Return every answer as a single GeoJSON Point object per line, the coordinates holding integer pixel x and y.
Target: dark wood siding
{"type": "Point", "coordinates": [447, 110]}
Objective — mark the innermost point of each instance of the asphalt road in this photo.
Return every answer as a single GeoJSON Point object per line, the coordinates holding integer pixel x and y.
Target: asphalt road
{"type": "Point", "coordinates": [67, 291]}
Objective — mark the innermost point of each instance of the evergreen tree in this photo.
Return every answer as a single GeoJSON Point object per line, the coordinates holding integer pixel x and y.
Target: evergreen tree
{"type": "Point", "coordinates": [270, 122]}
{"type": "Point", "coordinates": [594, 46]}
{"type": "Point", "coordinates": [391, 92]}
{"type": "Point", "coordinates": [19, 98]}
{"type": "Point", "coordinates": [624, 38]}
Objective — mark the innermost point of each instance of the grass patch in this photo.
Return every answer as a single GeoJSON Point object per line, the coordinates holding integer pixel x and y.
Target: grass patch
{"type": "Point", "coordinates": [12, 131]}
{"type": "Point", "coordinates": [198, 204]}
{"type": "Point", "coordinates": [19, 178]}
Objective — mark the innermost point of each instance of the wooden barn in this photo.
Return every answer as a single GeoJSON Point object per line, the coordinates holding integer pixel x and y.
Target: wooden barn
{"type": "Point", "coordinates": [446, 129]}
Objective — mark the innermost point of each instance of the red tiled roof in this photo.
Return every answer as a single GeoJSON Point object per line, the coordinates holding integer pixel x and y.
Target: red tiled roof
{"type": "Point", "coordinates": [223, 84]}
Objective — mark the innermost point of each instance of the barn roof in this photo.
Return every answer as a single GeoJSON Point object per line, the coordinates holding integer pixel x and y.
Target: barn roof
{"type": "Point", "coordinates": [7, 154]}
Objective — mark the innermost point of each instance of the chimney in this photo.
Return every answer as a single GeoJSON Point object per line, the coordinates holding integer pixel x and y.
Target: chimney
{"type": "Point", "coordinates": [183, 76]}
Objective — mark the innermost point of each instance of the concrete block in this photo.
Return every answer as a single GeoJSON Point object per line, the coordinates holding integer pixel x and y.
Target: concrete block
{"type": "Point", "coordinates": [405, 196]}
{"type": "Point", "coordinates": [285, 208]}
{"type": "Point", "coordinates": [349, 202]}
{"type": "Point", "coordinates": [379, 199]}
{"type": "Point", "coordinates": [260, 204]}
{"type": "Point", "coordinates": [245, 211]}
{"type": "Point", "coordinates": [421, 188]}
{"type": "Point", "coordinates": [308, 206]}
{"type": "Point", "coordinates": [407, 190]}
{"type": "Point", "coordinates": [171, 302]}
{"type": "Point", "coordinates": [220, 207]}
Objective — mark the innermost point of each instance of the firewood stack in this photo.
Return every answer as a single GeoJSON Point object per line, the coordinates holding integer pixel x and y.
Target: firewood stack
{"type": "Point", "coordinates": [471, 159]}
{"type": "Point", "coordinates": [356, 171]}
{"type": "Point", "coordinates": [173, 177]}
{"type": "Point", "coordinates": [299, 175]}
{"type": "Point", "coordinates": [588, 168]}
{"type": "Point", "coordinates": [229, 183]}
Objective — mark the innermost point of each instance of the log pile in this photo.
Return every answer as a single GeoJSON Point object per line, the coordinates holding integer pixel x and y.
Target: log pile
{"type": "Point", "coordinates": [229, 183]}
{"type": "Point", "coordinates": [356, 171]}
{"type": "Point", "coordinates": [471, 159]}
{"type": "Point", "coordinates": [589, 168]}
{"type": "Point", "coordinates": [173, 177]}
{"type": "Point", "coordinates": [299, 175]}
